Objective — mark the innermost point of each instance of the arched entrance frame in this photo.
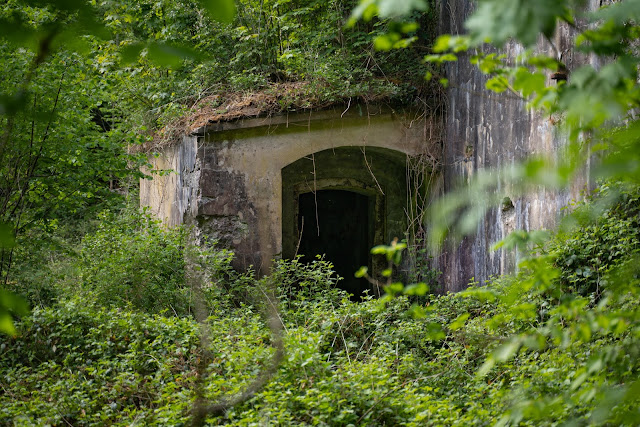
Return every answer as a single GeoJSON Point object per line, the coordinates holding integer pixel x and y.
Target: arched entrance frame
{"type": "Point", "coordinates": [380, 174]}
{"type": "Point", "coordinates": [290, 210]}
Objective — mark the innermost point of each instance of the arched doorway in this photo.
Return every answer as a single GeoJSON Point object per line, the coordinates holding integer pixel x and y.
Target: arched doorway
{"type": "Point", "coordinates": [338, 225]}
{"type": "Point", "coordinates": [341, 202]}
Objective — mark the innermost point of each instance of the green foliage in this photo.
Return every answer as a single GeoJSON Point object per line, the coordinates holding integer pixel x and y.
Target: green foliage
{"type": "Point", "coordinates": [585, 259]}
{"type": "Point", "coordinates": [85, 366]}
{"type": "Point", "coordinates": [520, 350]}
{"type": "Point", "coordinates": [133, 260]}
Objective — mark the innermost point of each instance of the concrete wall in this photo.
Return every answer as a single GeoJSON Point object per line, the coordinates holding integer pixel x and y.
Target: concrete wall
{"type": "Point", "coordinates": [487, 130]}
{"type": "Point", "coordinates": [173, 192]}
{"type": "Point", "coordinates": [238, 196]}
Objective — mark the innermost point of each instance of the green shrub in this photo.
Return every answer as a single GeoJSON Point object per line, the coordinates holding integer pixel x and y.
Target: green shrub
{"type": "Point", "coordinates": [586, 257]}
{"type": "Point", "coordinates": [133, 260]}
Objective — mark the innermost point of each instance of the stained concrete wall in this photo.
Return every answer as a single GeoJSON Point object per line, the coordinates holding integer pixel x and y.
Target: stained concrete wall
{"type": "Point", "coordinates": [237, 165]}
{"type": "Point", "coordinates": [487, 130]}
{"type": "Point", "coordinates": [173, 191]}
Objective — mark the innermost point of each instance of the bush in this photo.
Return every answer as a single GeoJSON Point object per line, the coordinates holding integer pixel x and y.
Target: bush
{"type": "Point", "coordinates": [133, 260]}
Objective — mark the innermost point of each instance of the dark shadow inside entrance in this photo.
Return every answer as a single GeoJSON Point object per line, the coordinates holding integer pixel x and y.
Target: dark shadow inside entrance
{"type": "Point", "coordinates": [337, 223]}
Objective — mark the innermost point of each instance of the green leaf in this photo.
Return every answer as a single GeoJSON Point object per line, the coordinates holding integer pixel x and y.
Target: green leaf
{"type": "Point", "coordinates": [130, 52]}
{"type": "Point", "coordinates": [528, 83]}
{"type": "Point", "coordinates": [15, 31]}
{"type": "Point", "coordinates": [395, 9]}
{"type": "Point", "coordinates": [11, 104]}
{"type": "Point", "coordinates": [497, 84]}
{"type": "Point", "coordinates": [170, 55]}
{"type": "Point", "coordinates": [500, 20]}
{"type": "Point", "coordinates": [6, 323]}
{"type": "Point", "coordinates": [419, 289]}
{"type": "Point", "coordinates": [459, 322]}
{"type": "Point", "coordinates": [223, 11]}
{"type": "Point", "coordinates": [486, 367]}
{"type": "Point", "coordinates": [10, 303]}
{"type": "Point", "coordinates": [394, 288]}
{"type": "Point", "coordinates": [7, 235]}
{"type": "Point", "coordinates": [362, 272]}
{"type": "Point", "coordinates": [507, 351]}
{"type": "Point", "coordinates": [434, 331]}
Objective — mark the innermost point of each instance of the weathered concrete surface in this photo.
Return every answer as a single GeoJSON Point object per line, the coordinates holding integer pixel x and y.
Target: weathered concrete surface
{"type": "Point", "coordinates": [173, 191]}
{"type": "Point", "coordinates": [238, 195]}
{"type": "Point", "coordinates": [487, 130]}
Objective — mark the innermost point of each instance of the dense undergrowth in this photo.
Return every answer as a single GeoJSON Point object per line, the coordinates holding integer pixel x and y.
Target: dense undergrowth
{"type": "Point", "coordinates": [115, 342]}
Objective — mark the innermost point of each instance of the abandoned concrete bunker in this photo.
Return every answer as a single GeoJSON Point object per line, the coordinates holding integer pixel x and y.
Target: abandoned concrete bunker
{"type": "Point", "coordinates": [335, 183]}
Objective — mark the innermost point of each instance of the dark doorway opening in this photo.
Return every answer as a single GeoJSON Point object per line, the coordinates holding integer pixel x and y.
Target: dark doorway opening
{"type": "Point", "coordinates": [337, 223]}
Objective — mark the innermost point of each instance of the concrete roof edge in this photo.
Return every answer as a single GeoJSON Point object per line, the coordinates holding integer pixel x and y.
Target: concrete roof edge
{"type": "Point", "coordinates": [289, 117]}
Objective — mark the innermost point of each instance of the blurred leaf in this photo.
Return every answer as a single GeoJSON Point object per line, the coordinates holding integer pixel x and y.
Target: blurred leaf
{"type": "Point", "coordinates": [621, 12]}
{"type": "Point", "coordinates": [362, 272]}
{"type": "Point", "coordinates": [7, 236]}
{"type": "Point", "coordinates": [170, 55]}
{"type": "Point", "coordinates": [418, 289]}
{"type": "Point", "coordinates": [459, 322]}
{"type": "Point", "coordinates": [395, 9]}
{"type": "Point", "coordinates": [10, 304]}
{"type": "Point", "coordinates": [486, 367]}
{"type": "Point", "coordinates": [394, 288]}
{"type": "Point", "coordinates": [223, 11]}
{"type": "Point", "coordinates": [130, 52]}
{"type": "Point", "coordinates": [15, 31]}
{"type": "Point", "coordinates": [521, 239]}
{"type": "Point", "coordinates": [499, 20]}
{"type": "Point", "coordinates": [507, 351]}
{"type": "Point", "coordinates": [10, 104]}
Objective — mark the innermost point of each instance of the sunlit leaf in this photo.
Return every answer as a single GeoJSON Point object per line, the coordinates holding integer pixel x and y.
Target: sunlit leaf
{"type": "Point", "coordinates": [459, 322]}
{"type": "Point", "coordinates": [507, 351]}
{"type": "Point", "coordinates": [419, 289]}
{"type": "Point", "coordinates": [10, 304]}
{"type": "Point", "coordinates": [362, 272]}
